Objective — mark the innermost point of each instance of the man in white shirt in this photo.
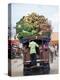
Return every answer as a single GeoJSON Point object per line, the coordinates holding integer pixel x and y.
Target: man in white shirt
{"type": "Point", "coordinates": [32, 46]}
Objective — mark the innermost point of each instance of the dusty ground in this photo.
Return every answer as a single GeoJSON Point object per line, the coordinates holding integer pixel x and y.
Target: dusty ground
{"type": "Point", "coordinates": [17, 67]}
{"type": "Point", "coordinates": [54, 66]}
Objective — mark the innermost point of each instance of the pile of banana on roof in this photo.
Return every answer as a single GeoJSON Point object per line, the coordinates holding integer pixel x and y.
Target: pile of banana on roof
{"type": "Point", "coordinates": [33, 24]}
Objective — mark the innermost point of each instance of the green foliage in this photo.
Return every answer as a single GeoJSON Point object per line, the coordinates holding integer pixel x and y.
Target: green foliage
{"type": "Point", "coordinates": [31, 25]}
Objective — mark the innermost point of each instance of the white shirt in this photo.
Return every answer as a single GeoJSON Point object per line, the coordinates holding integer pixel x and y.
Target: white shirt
{"type": "Point", "coordinates": [51, 48]}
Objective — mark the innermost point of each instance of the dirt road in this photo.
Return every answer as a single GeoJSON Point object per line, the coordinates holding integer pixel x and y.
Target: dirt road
{"type": "Point", "coordinates": [17, 67]}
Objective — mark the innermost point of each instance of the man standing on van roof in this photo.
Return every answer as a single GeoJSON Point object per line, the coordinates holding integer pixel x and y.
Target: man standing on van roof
{"type": "Point", "coordinates": [32, 46]}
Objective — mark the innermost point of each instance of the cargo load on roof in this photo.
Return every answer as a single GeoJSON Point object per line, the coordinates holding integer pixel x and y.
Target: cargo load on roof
{"type": "Point", "coordinates": [33, 24]}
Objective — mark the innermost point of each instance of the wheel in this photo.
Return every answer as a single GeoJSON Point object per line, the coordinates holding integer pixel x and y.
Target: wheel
{"type": "Point", "coordinates": [46, 68]}
{"type": "Point", "coordinates": [27, 71]}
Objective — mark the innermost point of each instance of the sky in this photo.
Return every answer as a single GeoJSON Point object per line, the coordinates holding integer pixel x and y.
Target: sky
{"type": "Point", "coordinates": [50, 12]}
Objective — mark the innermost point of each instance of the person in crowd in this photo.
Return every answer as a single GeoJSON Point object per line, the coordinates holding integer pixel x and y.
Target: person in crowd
{"type": "Point", "coordinates": [20, 49]}
{"type": "Point", "coordinates": [32, 46]}
{"type": "Point", "coordinates": [51, 48]}
{"type": "Point", "coordinates": [56, 50]}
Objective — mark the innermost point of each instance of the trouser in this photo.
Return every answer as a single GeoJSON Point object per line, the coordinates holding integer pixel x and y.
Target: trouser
{"type": "Point", "coordinates": [33, 59]}
{"type": "Point", "coordinates": [55, 52]}
{"type": "Point", "coordinates": [52, 56]}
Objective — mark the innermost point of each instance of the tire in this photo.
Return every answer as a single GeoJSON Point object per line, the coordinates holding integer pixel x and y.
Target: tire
{"type": "Point", "coordinates": [27, 72]}
{"type": "Point", "coordinates": [46, 68]}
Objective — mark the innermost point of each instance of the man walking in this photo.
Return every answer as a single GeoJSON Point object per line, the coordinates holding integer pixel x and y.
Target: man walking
{"type": "Point", "coordinates": [51, 51]}
{"type": "Point", "coordinates": [32, 46]}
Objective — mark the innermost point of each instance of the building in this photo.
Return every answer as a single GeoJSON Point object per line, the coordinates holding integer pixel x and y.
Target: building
{"type": "Point", "coordinates": [54, 38]}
